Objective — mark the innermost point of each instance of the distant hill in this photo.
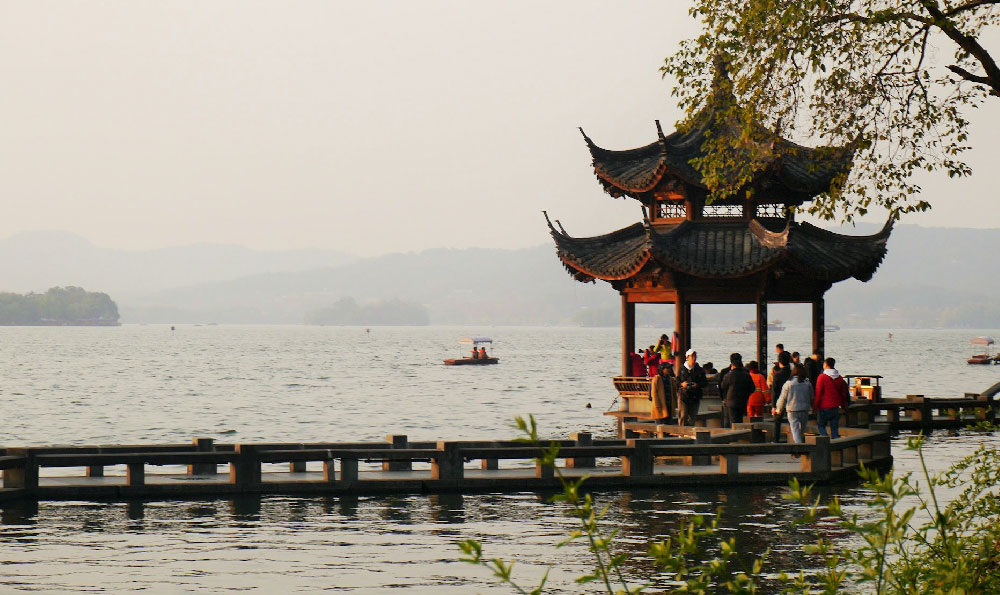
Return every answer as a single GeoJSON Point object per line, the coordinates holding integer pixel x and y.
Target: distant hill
{"type": "Point", "coordinates": [932, 277]}
{"type": "Point", "coordinates": [36, 260]}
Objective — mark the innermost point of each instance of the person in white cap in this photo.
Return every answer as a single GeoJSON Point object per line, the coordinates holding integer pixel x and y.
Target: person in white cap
{"type": "Point", "coordinates": [691, 381]}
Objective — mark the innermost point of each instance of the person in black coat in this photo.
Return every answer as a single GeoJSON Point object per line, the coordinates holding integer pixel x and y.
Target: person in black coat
{"type": "Point", "coordinates": [814, 366]}
{"type": "Point", "coordinates": [782, 373]}
{"type": "Point", "coordinates": [735, 388]}
{"type": "Point", "coordinates": [691, 382]}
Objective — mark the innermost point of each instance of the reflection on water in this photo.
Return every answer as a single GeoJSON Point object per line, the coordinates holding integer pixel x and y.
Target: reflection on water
{"type": "Point", "coordinates": [145, 384]}
{"type": "Point", "coordinates": [369, 544]}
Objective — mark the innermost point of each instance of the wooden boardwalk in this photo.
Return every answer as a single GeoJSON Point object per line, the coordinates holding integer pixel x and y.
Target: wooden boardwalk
{"type": "Point", "coordinates": [687, 457]}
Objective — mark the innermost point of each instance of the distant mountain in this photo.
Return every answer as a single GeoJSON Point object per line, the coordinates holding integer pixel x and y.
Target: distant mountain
{"type": "Point", "coordinates": [37, 260]}
{"type": "Point", "coordinates": [931, 277]}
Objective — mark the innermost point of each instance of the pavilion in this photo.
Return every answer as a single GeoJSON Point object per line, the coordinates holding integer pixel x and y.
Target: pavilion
{"type": "Point", "coordinates": [747, 249]}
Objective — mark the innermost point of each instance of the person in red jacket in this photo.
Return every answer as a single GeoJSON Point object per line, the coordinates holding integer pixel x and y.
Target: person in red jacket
{"type": "Point", "coordinates": [831, 397]}
{"type": "Point", "coordinates": [652, 361]}
{"type": "Point", "coordinates": [638, 367]}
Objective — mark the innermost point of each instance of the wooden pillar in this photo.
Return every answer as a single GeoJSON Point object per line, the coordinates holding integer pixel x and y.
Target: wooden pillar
{"type": "Point", "coordinates": [682, 323]}
{"type": "Point", "coordinates": [819, 326]}
{"type": "Point", "coordinates": [402, 442]}
{"type": "Point", "coordinates": [762, 334]}
{"type": "Point", "coordinates": [628, 334]}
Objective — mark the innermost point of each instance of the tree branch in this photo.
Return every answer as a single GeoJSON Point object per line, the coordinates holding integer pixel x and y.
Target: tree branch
{"type": "Point", "coordinates": [970, 45]}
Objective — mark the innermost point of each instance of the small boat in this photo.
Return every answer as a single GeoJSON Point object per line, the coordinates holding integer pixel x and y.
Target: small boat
{"type": "Point", "coordinates": [831, 328]}
{"type": "Point", "coordinates": [478, 348]}
{"type": "Point", "coordinates": [982, 358]}
{"type": "Point", "coordinates": [751, 326]}
{"type": "Point", "coordinates": [736, 332]}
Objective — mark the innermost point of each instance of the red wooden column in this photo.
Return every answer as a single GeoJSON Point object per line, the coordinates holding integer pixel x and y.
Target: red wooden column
{"type": "Point", "coordinates": [682, 324]}
{"type": "Point", "coordinates": [628, 334]}
{"type": "Point", "coordinates": [819, 325]}
{"type": "Point", "coordinates": [762, 334]}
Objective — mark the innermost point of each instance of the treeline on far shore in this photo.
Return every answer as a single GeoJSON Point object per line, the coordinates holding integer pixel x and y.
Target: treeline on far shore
{"type": "Point", "coordinates": [59, 306]}
{"type": "Point", "coordinates": [392, 312]}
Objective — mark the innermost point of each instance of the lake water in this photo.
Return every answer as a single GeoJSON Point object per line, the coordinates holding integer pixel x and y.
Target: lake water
{"type": "Point", "coordinates": [149, 384]}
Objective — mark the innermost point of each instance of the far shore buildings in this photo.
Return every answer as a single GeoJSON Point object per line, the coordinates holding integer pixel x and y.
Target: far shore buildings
{"type": "Point", "coordinates": [745, 250]}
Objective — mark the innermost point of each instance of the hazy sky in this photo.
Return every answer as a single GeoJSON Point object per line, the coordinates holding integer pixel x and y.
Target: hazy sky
{"type": "Point", "coordinates": [369, 127]}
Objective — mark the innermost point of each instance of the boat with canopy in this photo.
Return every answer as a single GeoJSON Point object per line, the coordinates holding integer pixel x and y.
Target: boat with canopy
{"type": "Point", "coordinates": [478, 356]}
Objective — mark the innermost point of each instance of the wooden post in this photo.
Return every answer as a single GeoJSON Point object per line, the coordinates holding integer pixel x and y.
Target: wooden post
{"type": "Point", "coordinates": [849, 456]}
{"type": "Point", "coordinates": [817, 460]}
{"type": "Point", "coordinates": [95, 470]}
{"type": "Point", "coordinates": [702, 437]}
{"type": "Point", "coordinates": [880, 448]}
{"type": "Point", "coordinates": [449, 463]}
{"type": "Point", "coordinates": [544, 471]}
{"type": "Point", "coordinates": [397, 441]}
{"type": "Point", "coordinates": [21, 477]}
{"type": "Point", "coordinates": [203, 445]}
{"type": "Point", "coordinates": [628, 334]}
{"type": "Point", "coordinates": [762, 334]}
{"type": "Point", "coordinates": [729, 464]}
{"type": "Point", "coordinates": [135, 474]}
{"type": "Point", "coordinates": [299, 466]}
{"type": "Point", "coordinates": [819, 325]}
{"type": "Point", "coordinates": [348, 469]}
{"type": "Point", "coordinates": [640, 462]}
{"type": "Point", "coordinates": [245, 469]}
{"type": "Point", "coordinates": [582, 439]}
{"type": "Point", "coordinates": [330, 470]}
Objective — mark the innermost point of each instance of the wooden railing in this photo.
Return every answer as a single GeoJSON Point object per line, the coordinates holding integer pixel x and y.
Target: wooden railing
{"type": "Point", "coordinates": [448, 460]}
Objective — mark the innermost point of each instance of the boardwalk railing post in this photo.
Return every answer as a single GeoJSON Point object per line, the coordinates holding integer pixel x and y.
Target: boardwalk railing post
{"type": "Point", "coordinates": [135, 474]}
{"type": "Point", "coordinates": [702, 437]}
{"type": "Point", "coordinates": [639, 463]}
{"type": "Point", "coordinates": [817, 460]}
{"type": "Point", "coordinates": [95, 470]}
{"type": "Point", "coordinates": [348, 469]}
{"type": "Point", "coordinates": [397, 441]}
{"type": "Point", "coordinates": [582, 439]}
{"type": "Point", "coordinates": [245, 469]}
{"type": "Point", "coordinates": [21, 477]}
{"type": "Point", "coordinates": [449, 463]}
{"type": "Point", "coordinates": [330, 469]}
{"type": "Point", "coordinates": [880, 448]}
{"type": "Point", "coordinates": [297, 466]}
{"type": "Point", "coordinates": [729, 464]}
{"type": "Point", "coordinates": [203, 445]}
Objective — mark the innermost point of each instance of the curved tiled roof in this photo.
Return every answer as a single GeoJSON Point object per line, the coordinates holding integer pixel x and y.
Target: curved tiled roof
{"type": "Point", "coordinates": [803, 170]}
{"type": "Point", "coordinates": [721, 250]}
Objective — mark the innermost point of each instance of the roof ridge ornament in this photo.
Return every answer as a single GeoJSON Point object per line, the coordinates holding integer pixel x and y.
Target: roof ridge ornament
{"type": "Point", "coordinates": [659, 130]}
{"type": "Point", "coordinates": [768, 238]}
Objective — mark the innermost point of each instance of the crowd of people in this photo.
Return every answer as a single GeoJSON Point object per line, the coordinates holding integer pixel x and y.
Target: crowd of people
{"type": "Point", "coordinates": [793, 387]}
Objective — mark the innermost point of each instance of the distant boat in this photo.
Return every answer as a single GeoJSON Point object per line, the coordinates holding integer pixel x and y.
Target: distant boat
{"type": "Point", "coordinates": [986, 357]}
{"type": "Point", "coordinates": [831, 328]}
{"type": "Point", "coordinates": [478, 349]}
{"type": "Point", "coordinates": [751, 326]}
{"type": "Point", "coordinates": [737, 332]}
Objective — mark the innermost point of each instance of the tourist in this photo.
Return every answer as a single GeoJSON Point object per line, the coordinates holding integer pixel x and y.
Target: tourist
{"type": "Point", "coordinates": [691, 382]}
{"type": "Point", "coordinates": [659, 394]}
{"type": "Point", "coordinates": [761, 396]}
{"type": "Point", "coordinates": [651, 360]}
{"type": "Point", "coordinates": [814, 366]}
{"type": "Point", "coordinates": [482, 353]}
{"type": "Point", "coordinates": [779, 349]}
{"type": "Point", "coordinates": [638, 368]}
{"type": "Point", "coordinates": [795, 358]}
{"type": "Point", "coordinates": [781, 373]}
{"type": "Point", "coordinates": [663, 348]}
{"type": "Point", "coordinates": [475, 353]}
{"type": "Point", "coordinates": [831, 398]}
{"type": "Point", "coordinates": [796, 400]}
{"type": "Point", "coordinates": [735, 389]}
{"type": "Point", "coordinates": [709, 368]}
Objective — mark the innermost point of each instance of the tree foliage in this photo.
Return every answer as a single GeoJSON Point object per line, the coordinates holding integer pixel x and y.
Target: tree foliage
{"type": "Point", "coordinates": [890, 80]}
{"type": "Point", "coordinates": [58, 306]}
